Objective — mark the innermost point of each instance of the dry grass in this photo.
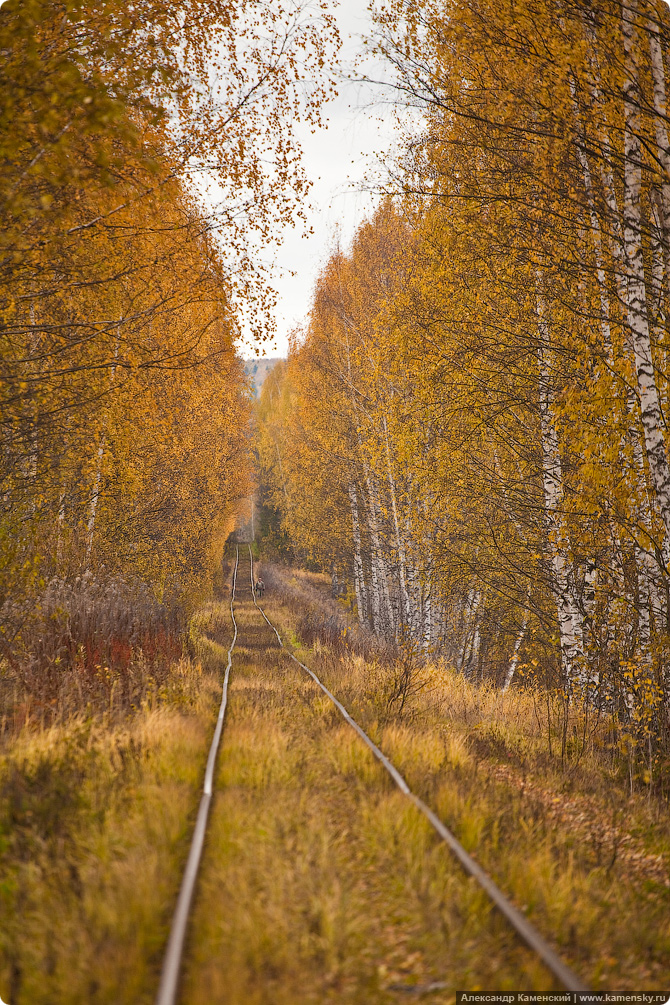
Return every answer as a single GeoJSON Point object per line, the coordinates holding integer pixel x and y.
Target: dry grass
{"type": "Point", "coordinates": [321, 883]}
{"type": "Point", "coordinates": [586, 859]}
{"type": "Point", "coordinates": [95, 821]}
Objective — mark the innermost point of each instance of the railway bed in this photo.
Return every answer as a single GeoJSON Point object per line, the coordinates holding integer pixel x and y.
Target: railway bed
{"type": "Point", "coordinates": [191, 951]}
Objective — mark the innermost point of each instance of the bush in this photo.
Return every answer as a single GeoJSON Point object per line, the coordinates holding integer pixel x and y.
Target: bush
{"type": "Point", "coordinates": [88, 644]}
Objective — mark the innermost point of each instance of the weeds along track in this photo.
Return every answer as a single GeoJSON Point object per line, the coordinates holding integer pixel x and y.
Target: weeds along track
{"type": "Point", "coordinates": [167, 991]}
{"type": "Point", "coordinates": [224, 922]}
{"type": "Point", "coordinates": [527, 932]}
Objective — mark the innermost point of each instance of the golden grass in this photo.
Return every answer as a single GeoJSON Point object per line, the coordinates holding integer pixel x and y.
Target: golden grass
{"type": "Point", "coordinates": [95, 818]}
{"type": "Point", "coordinates": [321, 883]}
{"type": "Point", "coordinates": [587, 861]}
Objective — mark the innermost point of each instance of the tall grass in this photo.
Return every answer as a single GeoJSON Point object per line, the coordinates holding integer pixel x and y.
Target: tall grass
{"type": "Point", "coordinates": [93, 644]}
{"type": "Point", "coordinates": [96, 809]}
{"type": "Point", "coordinates": [546, 796]}
{"type": "Point", "coordinates": [320, 882]}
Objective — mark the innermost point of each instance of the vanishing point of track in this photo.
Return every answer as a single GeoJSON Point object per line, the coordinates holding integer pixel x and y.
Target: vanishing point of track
{"type": "Point", "coordinates": [169, 983]}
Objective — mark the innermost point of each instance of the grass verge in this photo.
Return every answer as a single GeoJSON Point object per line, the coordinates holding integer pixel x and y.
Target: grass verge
{"type": "Point", "coordinates": [586, 859]}
{"type": "Point", "coordinates": [96, 814]}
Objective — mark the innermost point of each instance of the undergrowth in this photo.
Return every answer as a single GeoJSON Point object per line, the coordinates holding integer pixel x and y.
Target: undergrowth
{"type": "Point", "coordinates": [96, 805]}
{"type": "Point", "coordinates": [91, 645]}
{"type": "Point", "coordinates": [550, 797]}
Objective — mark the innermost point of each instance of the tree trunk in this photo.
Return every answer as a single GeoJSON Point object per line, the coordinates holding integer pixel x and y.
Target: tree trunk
{"type": "Point", "coordinates": [637, 295]}
{"type": "Point", "coordinates": [596, 232]}
{"type": "Point", "coordinates": [381, 600]}
{"type": "Point", "coordinates": [93, 509]}
{"type": "Point", "coordinates": [90, 528]}
{"type": "Point", "coordinates": [662, 145]}
{"type": "Point", "coordinates": [359, 578]}
{"type": "Point", "coordinates": [569, 618]}
{"type": "Point", "coordinates": [470, 649]}
{"type": "Point", "coordinates": [514, 661]}
{"type": "Point", "coordinates": [406, 606]}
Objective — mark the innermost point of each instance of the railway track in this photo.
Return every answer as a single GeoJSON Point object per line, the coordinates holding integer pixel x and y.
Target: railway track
{"type": "Point", "coordinates": [169, 983]}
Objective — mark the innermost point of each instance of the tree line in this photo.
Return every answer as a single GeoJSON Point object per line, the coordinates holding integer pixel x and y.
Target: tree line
{"type": "Point", "coordinates": [143, 147]}
{"type": "Point", "coordinates": [472, 428]}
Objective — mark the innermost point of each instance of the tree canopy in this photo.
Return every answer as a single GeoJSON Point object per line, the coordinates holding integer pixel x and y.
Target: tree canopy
{"type": "Point", "coordinates": [480, 395]}
{"type": "Point", "coordinates": [142, 148]}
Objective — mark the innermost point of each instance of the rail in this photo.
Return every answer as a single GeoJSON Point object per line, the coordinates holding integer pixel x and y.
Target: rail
{"type": "Point", "coordinates": [528, 933]}
{"type": "Point", "coordinates": [169, 983]}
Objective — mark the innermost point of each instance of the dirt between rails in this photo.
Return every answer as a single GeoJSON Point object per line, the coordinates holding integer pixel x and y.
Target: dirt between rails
{"type": "Point", "coordinates": [611, 844]}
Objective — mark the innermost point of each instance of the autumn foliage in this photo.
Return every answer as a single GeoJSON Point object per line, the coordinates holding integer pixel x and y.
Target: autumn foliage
{"type": "Point", "coordinates": [142, 149]}
{"type": "Point", "coordinates": [472, 428]}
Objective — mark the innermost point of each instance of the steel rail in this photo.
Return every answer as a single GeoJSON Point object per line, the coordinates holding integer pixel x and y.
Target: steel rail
{"type": "Point", "coordinates": [169, 983]}
{"type": "Point", "coordinates": [530, 935]}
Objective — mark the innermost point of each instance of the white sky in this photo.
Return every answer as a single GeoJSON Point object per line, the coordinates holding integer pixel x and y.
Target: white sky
{"type": "Point", "coordinates": [337, 159]}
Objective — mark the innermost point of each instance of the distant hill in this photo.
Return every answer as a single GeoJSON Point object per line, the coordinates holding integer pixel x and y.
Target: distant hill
{"type": "Point", "coordinates": [258, 369]}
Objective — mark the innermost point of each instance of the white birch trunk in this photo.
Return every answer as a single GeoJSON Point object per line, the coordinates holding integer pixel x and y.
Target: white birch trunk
{"type": "Point", "coordinates": [648, 569]}
{"type": "Point", "coordinates": [381, 600]}
{"type": "Point", "coordinates": [359, 578]}
{"type": "Point", "coordinates": [643, 604]}
{"type": "Point", "coordinates": [427, 626]}
{"type": "Point", "coordinates": [474, 652]}
{"type": "Point", "coordinates": [465, 624]}
{"type": "Point", "coordinates": [607, 179]}
{"type": "Point", "coordinates": [375, 602]}
{"type": "Point", "coordinates": [415, 592]}
{"type": "Point", "coordinates": [93, 509]}
{"type": "Point", "coordinates": [406, 606]}
{"type": "Point", "coordinates": [514, 662]}
{"type": "Point", "coordinates": [569, 618]}
{"type": "Point", "coordinates": [657, 268]}
{"type": "Point", "coordinates": [661, 129]}
{"type": "Point", "coordinates": [470, 649]}
{"type": "Point", "coordinates": [596, 233]}
{"type": "Point", "coordinates": [637, 295]}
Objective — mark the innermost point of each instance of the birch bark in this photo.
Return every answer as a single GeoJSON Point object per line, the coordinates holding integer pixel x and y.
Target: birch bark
{"type": "Point", "coordinates": [569, 618]}
{"type": "Point", "coordinates": [93, 508]}
{"type": "Point", "coordinates": [644, 598]}
{"type": "Point", "coordinates": [381, 600]}
{"type": "Point", "coordinates": [661, 129]}
{"type": "Point", "coordinates": [427, 626]}
{"type": "Point", "coordinates": [638, 320]}
{"type": "Point", "coordinates": [470, 649]}
{"type": "Point", "coordinates": [400, 544]}
{"type": "Point", "coordinates": [596, 232]}
{"type": "Point", "coordinates": [359, 578]}
{"type": "Point", "coordinates": [514, 662]}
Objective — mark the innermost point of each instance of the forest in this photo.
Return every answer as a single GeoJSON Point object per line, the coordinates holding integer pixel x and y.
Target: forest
{"type": "Point", "coordinates": [123, 403]}
{"type": "Point", "coordinates": [490, 472]}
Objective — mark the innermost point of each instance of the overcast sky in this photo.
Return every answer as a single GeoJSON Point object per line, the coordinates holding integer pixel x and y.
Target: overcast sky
{"type": "Point", "coordinates": [336, 159]}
